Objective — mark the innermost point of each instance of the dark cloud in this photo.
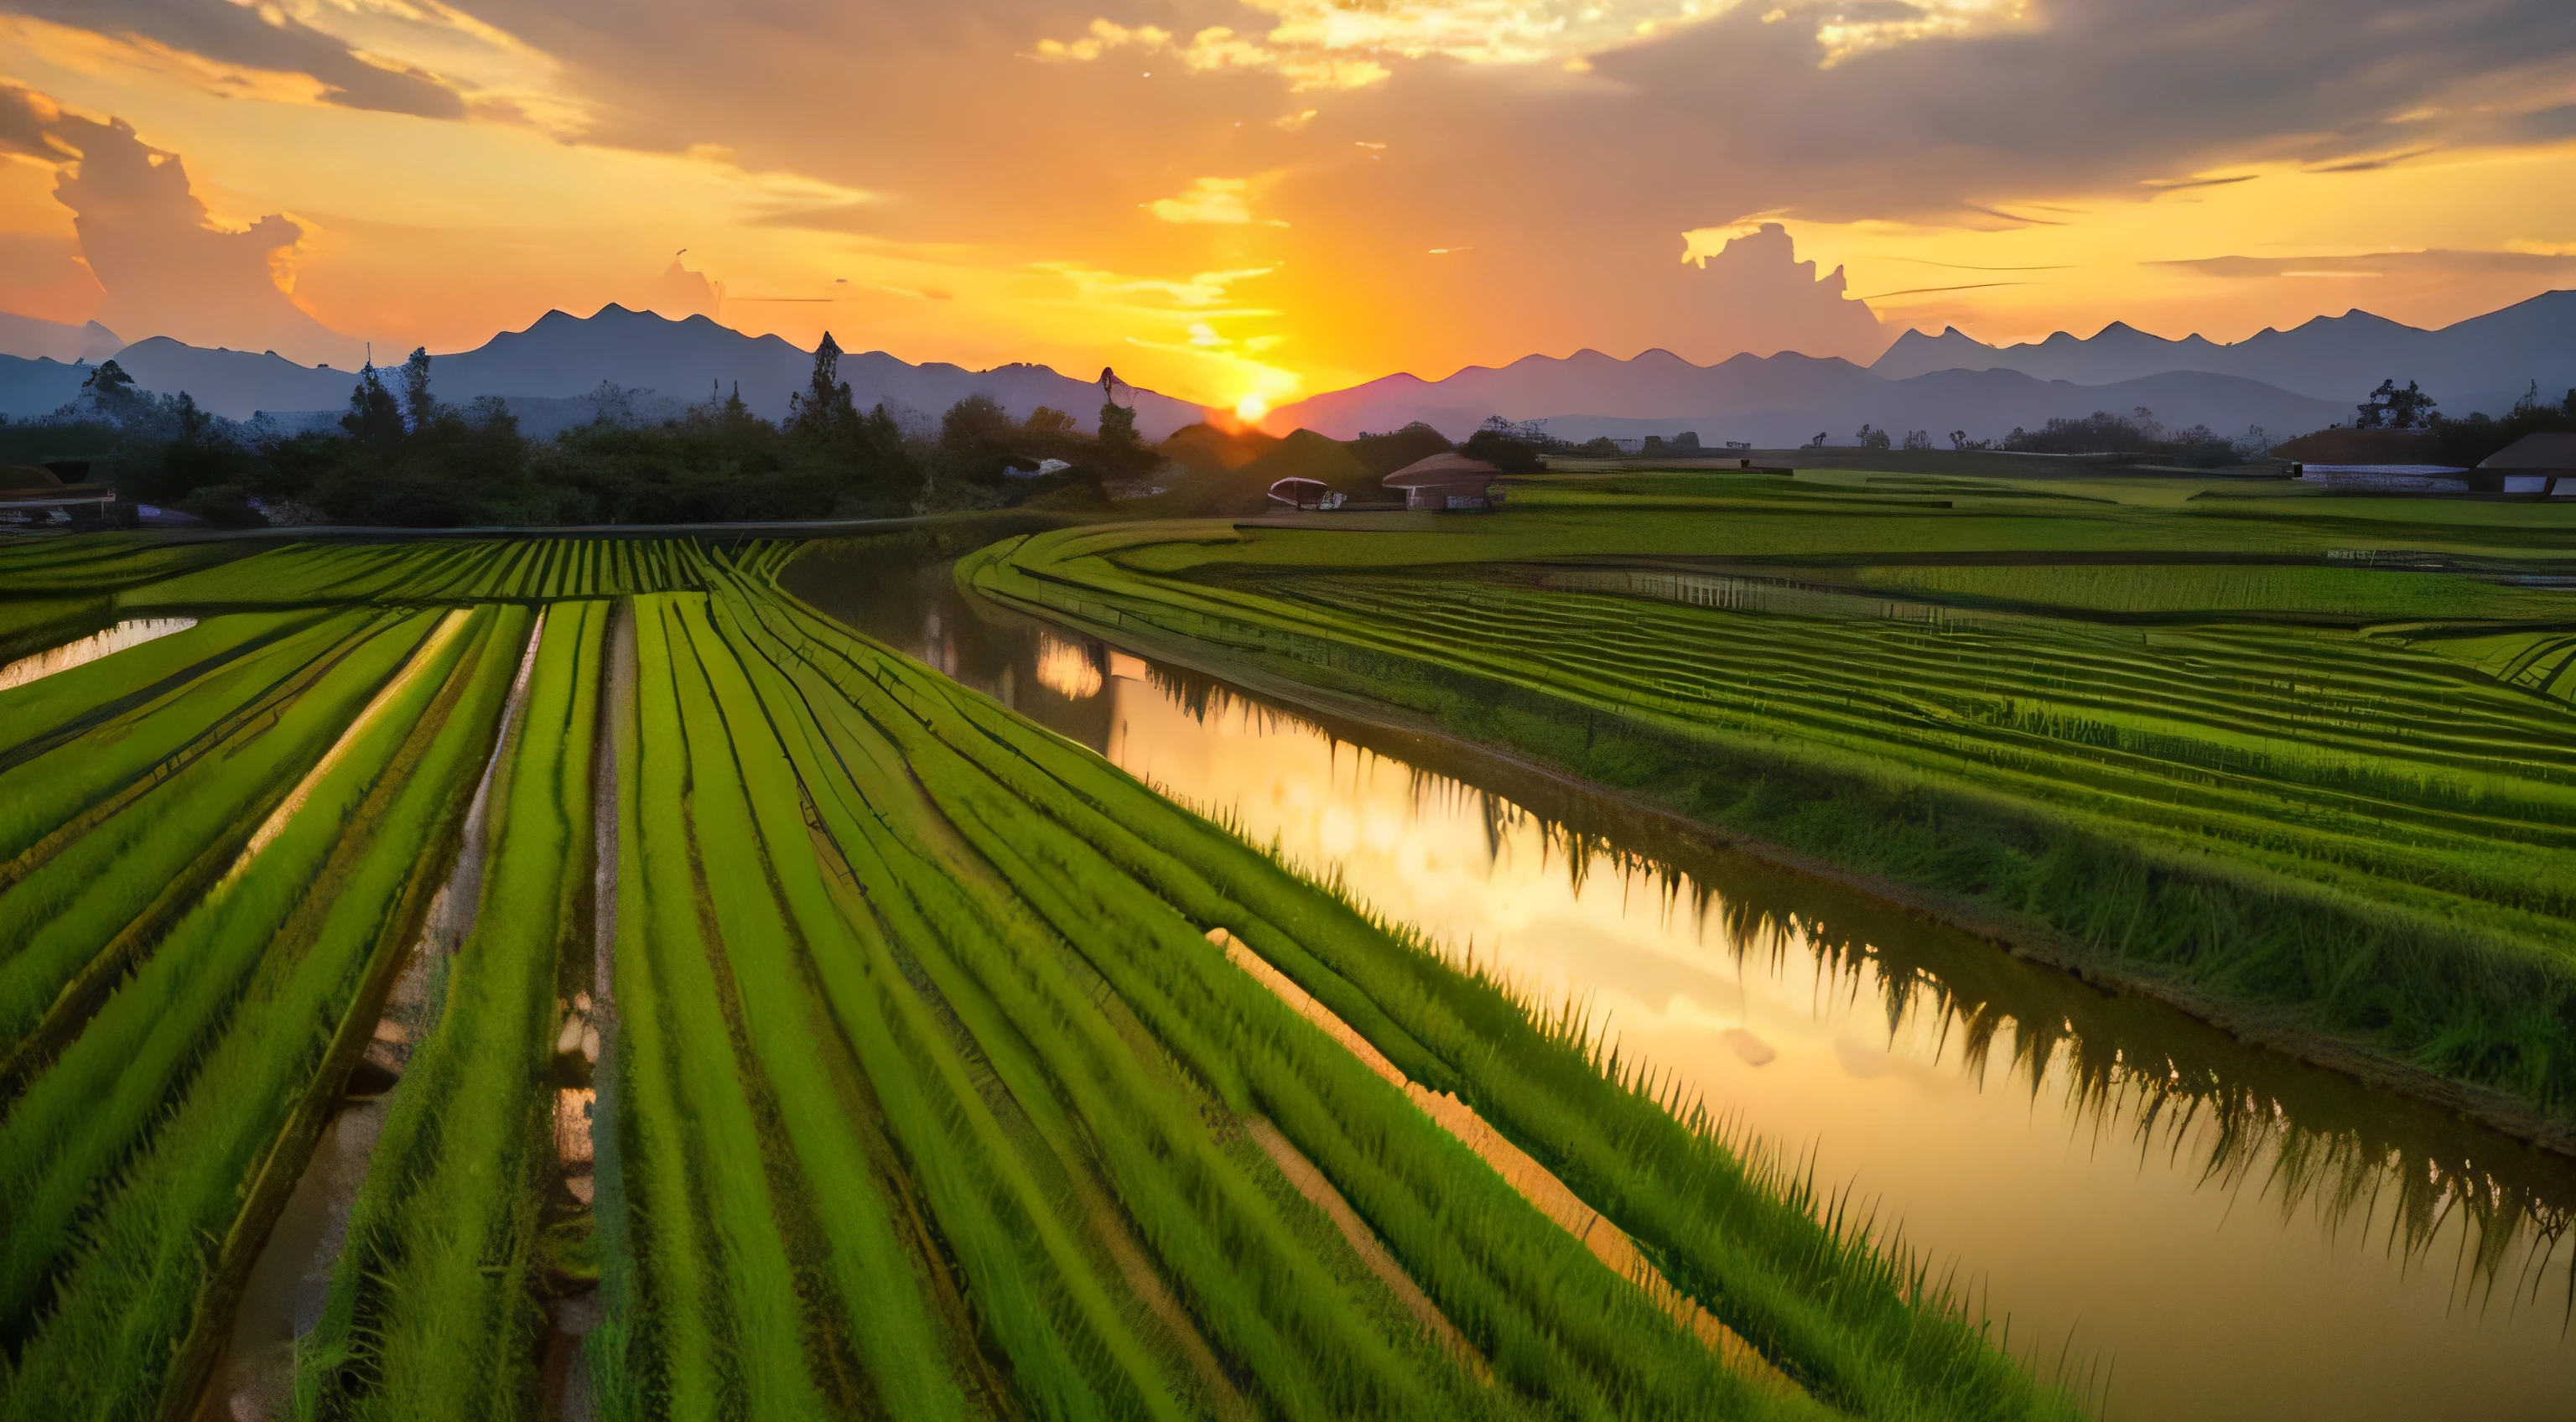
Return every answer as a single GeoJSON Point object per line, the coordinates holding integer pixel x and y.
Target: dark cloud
{"type": "Point", "coordinates": [24, 118]}
{"type": "Point", "coordinates": [2099, 94]}
{"type": "Point", "coordinates": [238, 35]}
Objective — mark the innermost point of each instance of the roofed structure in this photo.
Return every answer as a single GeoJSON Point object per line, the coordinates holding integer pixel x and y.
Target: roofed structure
{"type": "Point", "coordinates": [2535, 464]}
{"type": "Point", "coordinates": [1447, 481]}
{"type": "Point", "coordinates": [35, 494]}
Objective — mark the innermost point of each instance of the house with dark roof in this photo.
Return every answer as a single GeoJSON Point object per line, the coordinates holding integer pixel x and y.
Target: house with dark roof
{"type": "Point", "coordinates": [2533, 464]}
{"type": "Point", "coordinates": [1448, 482]}
{"type": "Point", "coordinates": [35, 494]}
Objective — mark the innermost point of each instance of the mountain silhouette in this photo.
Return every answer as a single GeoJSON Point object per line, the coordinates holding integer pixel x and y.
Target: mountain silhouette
{"type": "Point", "coordinates": [31, 337]}
{"type": "Point", "coordinates": [546, 371]}
{"type": "Point", "coordinates": [1772, 401]}
{"type": "Point", "coordinates": [2483, 363]}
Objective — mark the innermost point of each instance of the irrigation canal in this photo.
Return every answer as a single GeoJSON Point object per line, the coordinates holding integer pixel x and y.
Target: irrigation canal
{"type": "Point", "coordinates": [2190, 1228]}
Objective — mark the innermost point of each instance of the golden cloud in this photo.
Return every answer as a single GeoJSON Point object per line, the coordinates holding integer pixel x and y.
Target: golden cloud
{"type": "Point", "coordinates": [1342, 44]}
{"type": "Point", "coordinates": [1225, 201]}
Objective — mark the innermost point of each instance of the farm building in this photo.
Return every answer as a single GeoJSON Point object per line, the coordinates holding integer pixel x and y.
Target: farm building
{"type": "Point", "coordinates": [2534, 464]}
{"type": "Point", "coordinates": [1447, 481]}
{"type": "Point", "coordinates": [36, 494]}
{"type": "Point", "coordinates": [1299, 492]}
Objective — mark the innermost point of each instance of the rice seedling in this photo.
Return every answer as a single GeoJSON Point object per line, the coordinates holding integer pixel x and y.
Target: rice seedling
{"type": "Point", "coordinates": [922, 1089]}
{"type": "Point", "coordinates": [2271, 793]}
{"type": "Point", "coordinates": [433, 1283]}
{"type": "Point", "coordinates": [176, 1193]}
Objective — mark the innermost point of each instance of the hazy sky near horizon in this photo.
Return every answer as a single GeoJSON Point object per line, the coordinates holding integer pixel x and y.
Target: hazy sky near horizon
{"type": "Point", "coordinates": [1270, 198]}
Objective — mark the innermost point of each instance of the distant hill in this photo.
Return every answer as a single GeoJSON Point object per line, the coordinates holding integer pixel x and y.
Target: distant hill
{"type": "Point", "coordinates": [31, 338]}
{"type": "Point", "coordinates": [2483, 363]}
{"type": "Point", "coordinates": [563, 358]}
{"type": "Point", "coordinates": [37, 387]}
{"type": "Point", "coordinates": [1785, 400]}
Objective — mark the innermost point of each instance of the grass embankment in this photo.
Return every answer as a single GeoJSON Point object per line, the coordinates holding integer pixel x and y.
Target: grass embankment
{"type": "Point", "coordinates": [928, 1093]}
{"type": "Point", "coordinates": [2285, 789]}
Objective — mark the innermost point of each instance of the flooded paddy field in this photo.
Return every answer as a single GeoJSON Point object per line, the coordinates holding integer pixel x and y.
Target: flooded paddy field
{"type": "Point", "coordinates": [572, 978]}
{"type": "Point", "coordinates": [2189, 1226]}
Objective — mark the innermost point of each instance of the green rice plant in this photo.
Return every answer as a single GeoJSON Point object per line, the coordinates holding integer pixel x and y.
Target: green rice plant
{"type": "Point", "coordinates": [754, 850]}
{"type": "Point", "coordinates": [104, 1096]}
{"type": "Point", "coordinates": [39, 712]}
{"type": "Point", "coordinates": [39, 795]}
{"type": "Point", "coordinates": [179, 1211]}
{"type": "Point", "coordinates": [716, 1309]}
{"type": "Point", "coordinates": [433, 1283]}
{"type": "Point", "coordinates": [2268, 811]}
{"type": "Point", "coordinates": [1543, 1368]}
{"type": "Point", "coordinates": [100, 896]}
{"type": "Point", "coordinates": [1070, 1354]}
{"type": "Point", "coordinates": [100, 563]}
{"type": "Point", "coordinates": [1533, 1298]}
{"type": "Point", "coordinates": [28, 625]}
{"type": "Point", "coordinates": [1261, 1301]}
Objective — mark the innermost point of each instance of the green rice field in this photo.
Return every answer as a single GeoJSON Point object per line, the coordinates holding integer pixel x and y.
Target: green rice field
{"type": "Point", "coordinates": [2303, 763]}
{"type": "Point", "coordinates": [752, 1022]}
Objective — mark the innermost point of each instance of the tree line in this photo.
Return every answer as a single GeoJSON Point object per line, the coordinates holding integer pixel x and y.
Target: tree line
{"type": "Point", "coordinates": [402, 457]}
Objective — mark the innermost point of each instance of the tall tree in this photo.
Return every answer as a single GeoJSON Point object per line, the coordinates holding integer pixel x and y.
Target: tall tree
{"type": "Point", "coordinates": [374, 417]}
{"type": "Point", "coordinates": [2390, 408]}
{"type": "Point", "coordinates": [823, 409]}
{"type": "Point", "coordinates": [419, 406]}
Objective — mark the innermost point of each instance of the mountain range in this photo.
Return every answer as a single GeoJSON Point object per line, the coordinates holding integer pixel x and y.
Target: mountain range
{"type": "Point", "coordinates": [548, 371]}
{"type": "Point", "coordinates": [2483, 363]}
{"type": "Point", "coordinates": [2286, 382]}
{"type": "Point", "coordinates": [1783, 400]}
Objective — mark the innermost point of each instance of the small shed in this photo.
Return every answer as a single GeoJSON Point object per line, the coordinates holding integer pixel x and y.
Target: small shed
{"type": "Point", "coordinates": [1298, 492]}
{"type": "Point", "coordinates": [1448, 482]}
{"type": "Point", "coordinates": [2534, 464]}
{"type": "Point", "coordinates": [37, 494]}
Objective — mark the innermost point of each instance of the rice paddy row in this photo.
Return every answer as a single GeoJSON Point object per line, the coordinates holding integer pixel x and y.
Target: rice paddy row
{"type": "Point", "coordinates": [2342, 793]}
{"type": "Point", "coordinates": [828, 1039]}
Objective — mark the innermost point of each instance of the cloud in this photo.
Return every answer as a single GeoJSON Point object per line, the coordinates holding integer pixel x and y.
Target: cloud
{"type": "Point", "coordinates": [681, 293]}
{"type": "Point", "coordinates": [26, 121]}
{"type": "Point", "coordinates": [418, 57]}
{"type": "Point", "coordinates": [1564, 141]}
{"type": "Point", "coordinates": [1753, 294]}
{"type": "Point", "coordinates": [1225, 201]}
{"type": "Point", "coordinates": [164, 267]}
{"type": "Point", "coordinates": [256, 37]}
{"type": "Point", "coordinates": [2384, 264]}
{"type": "Point", "coordinates": [1321, 44]}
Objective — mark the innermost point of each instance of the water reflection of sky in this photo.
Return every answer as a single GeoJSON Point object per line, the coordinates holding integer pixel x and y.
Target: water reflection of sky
{"type": "Point", "coordinates": [2148, 1232]}
{"type": "Point", "coordinates": [2229, 1233]}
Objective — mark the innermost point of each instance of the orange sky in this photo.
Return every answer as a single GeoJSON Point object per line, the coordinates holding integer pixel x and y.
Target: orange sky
{"type": "Point", "coordinates": [1274, 198]}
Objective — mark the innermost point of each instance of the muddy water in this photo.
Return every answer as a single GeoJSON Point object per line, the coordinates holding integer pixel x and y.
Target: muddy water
{"type": "Point", "coordinates": [2191, 1228]}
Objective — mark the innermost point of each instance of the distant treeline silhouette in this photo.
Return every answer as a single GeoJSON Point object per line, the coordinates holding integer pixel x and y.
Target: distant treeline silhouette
{"type": "Point", "coordinates": [402, 457]}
